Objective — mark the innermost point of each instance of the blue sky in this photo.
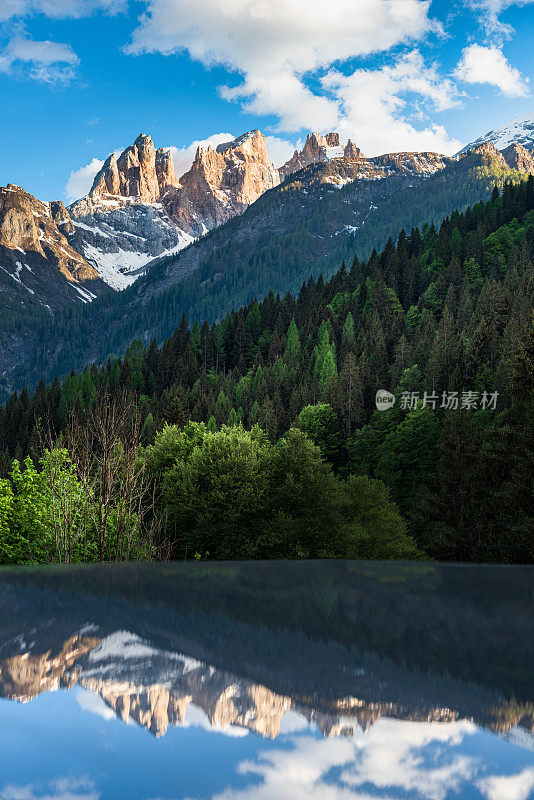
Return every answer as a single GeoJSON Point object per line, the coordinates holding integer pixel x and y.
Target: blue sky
{"type": "Point", "coordinates": [80, 78]}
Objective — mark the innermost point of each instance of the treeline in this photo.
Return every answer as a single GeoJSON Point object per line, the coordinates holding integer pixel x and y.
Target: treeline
{"type": "Point", "coordinates": [288, 234]}
{"type": "Point", "coordinates": [441, 319]}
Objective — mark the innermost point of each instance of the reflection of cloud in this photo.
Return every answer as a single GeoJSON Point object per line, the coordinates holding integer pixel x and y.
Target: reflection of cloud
{"type": "Point", "coordinates": [389, 757]}
{"type": "Point", "coordinates": [195, 717]}
{"type": "Point", "coordinates": [61, 789]}
{"type": "Point", "coordinates": [508, 787]}
{"type": "Point", "coordinates": [93, 703]}
{"type": "Point", "coordinates": [292, 721]}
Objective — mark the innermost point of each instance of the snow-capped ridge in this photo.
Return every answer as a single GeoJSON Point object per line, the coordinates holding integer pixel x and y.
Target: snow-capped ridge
{"type": "Point", "coordinates": [519, 130]}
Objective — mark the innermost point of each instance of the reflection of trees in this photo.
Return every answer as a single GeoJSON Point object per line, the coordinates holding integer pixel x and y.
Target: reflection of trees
{"type": "Point", "coordinates": [475, 623]}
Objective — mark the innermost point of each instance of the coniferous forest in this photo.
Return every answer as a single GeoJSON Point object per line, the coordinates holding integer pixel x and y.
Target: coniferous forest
{"type": "Point", "coordinates": [259, 436]}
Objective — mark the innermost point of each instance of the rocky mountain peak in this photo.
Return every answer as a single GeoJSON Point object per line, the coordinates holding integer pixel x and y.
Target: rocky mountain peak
{"type": "Point", "coordinates": [140, 172]}
{"type": "Point", "coordinates": [316, 148]}
{"type": "Point", "coordinates": [519, 130]}
{"type": "Point", "coordinates": [332, 139]}
{"type": "Point", "coordinates": [28, 225]}
{"type": "Point", "coordinates": [351, 151]}
{"type": "Point", "coordinates": [222, 182]}
{"type": "Point", "coordinates": [165, 170]}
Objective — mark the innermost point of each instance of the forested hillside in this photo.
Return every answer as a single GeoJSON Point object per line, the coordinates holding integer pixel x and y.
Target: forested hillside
{"type": "Point", "coordinates": [307, 226]}
{"type": "Point", "coordinates": [441, 318]}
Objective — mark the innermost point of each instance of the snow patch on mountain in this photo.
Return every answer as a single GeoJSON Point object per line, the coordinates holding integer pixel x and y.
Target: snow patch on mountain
{"type": "Point", "coordinates": [520, 130]}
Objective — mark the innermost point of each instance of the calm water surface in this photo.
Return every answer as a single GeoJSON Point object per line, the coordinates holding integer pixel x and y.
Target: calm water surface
{"type": "Point", "coordinates": [267, 681]}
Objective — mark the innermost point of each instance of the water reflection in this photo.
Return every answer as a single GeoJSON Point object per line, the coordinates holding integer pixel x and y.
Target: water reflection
{"type": "Point", "coordinates": [267, 681]}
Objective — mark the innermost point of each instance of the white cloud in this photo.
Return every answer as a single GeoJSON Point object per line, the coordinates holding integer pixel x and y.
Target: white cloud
{"type": "Point", "coordinates": [62, 789]}
{"type": "Point", "coordinates": [490, 10]}
{"type": "Point", "coordinates": [275, 46]}
{"type": "Point", "coordinates": [280, 150]}
{"type": "Point", "coordinates": [489, 65]}
{"type": "Point", "coordinates": [252, 36]}
{"type": "Point", "coordinates": [58, 8]}
{"type": "Point", "coordinates": [50, 62]}
{"type": "Point", "coordinates": [80, 180]}
{"type": "Point", "coordinates": [508, 787]}
{"type": "Point", "coordinates": [391, 756]}
{"type": "Point", "coordinates": [375, 106]}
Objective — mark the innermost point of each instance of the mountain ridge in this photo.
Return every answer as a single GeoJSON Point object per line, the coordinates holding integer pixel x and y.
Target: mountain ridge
{"type": "Point", "coordinates": [328, 210]}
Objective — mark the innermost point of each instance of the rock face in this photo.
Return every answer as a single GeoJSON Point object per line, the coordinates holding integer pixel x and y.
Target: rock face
{"type": "Point", "coordinates": [517, 157]}
{"type": "Point", "coordinates": [140, 172]}
{"type": "Point", "coordinates": [35, 251]}
{"type": "Point", "coordinates": [138, 210]}
{"type": "Point", "coordinates": [316, 148]}
{"type": "Point", "coordinates": [351, 151]}
{"type": "Point", "coordinates": [222, 183]}
{"type": "Point", "coordinates": [122, 223]}
{"type": "Point", "coordinates": [351, 159]}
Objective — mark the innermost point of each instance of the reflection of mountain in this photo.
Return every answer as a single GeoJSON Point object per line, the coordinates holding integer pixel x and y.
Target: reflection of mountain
{"type": "Point", "coordinates": [154, 688]}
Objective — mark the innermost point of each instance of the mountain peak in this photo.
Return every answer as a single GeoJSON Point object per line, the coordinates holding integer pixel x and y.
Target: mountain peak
{"type": "Point", "coordinates": [144, 139]}
{"type": "Point", "coordinates": [223, 181]}
{"type": "Point", "coordinates": [255, 137]}
{"type": "Point", "coordinates": [318, 147]}
{"type": "Point", "coordinates": [139, 172]}
{"type": "Point", "coordinates": [519, 130]}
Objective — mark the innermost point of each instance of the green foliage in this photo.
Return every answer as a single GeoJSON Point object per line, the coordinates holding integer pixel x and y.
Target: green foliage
{"type": "Point", "coordinates": [439, 311]}
{"type": "Point", "coordinates": [172, 444]}
{"type": "Point", "coordinates": [293, 342]}
{"type": "Point", "coordinates": [235, 495]}
{"type": "Point", "coordinates": [32, 511]}
{"type": "Point", "coordinates": [320, 423]}
{"type": "Point", "coordinates": [50, 515]}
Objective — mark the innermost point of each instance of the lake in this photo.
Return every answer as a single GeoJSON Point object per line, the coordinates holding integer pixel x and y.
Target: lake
{"type": "Point", "coordinates": [267, 681]}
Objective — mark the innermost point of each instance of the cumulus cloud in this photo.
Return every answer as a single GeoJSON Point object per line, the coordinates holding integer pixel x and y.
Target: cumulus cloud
{"type": "Point", "coordinates": [375, 105]}
{"type": "Point", "coordinates": [490, 11]}
{"type": "Point", "coordinates": [251, 37]}
{"type": "Point", "coordinates": [488, 65]}
{"type": "Point", "coordinates": [276, 47]}
{"type": "Point", "coordinates": [80, 180]}
{"type": "Point", "coordinates": [58, 8]}
{"type": "Point", "coordinates": [508, 787]}
{"type": "Point", "coordinates": [49, 62]}
{"type": "Point", "coordinates": [281, 150]}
